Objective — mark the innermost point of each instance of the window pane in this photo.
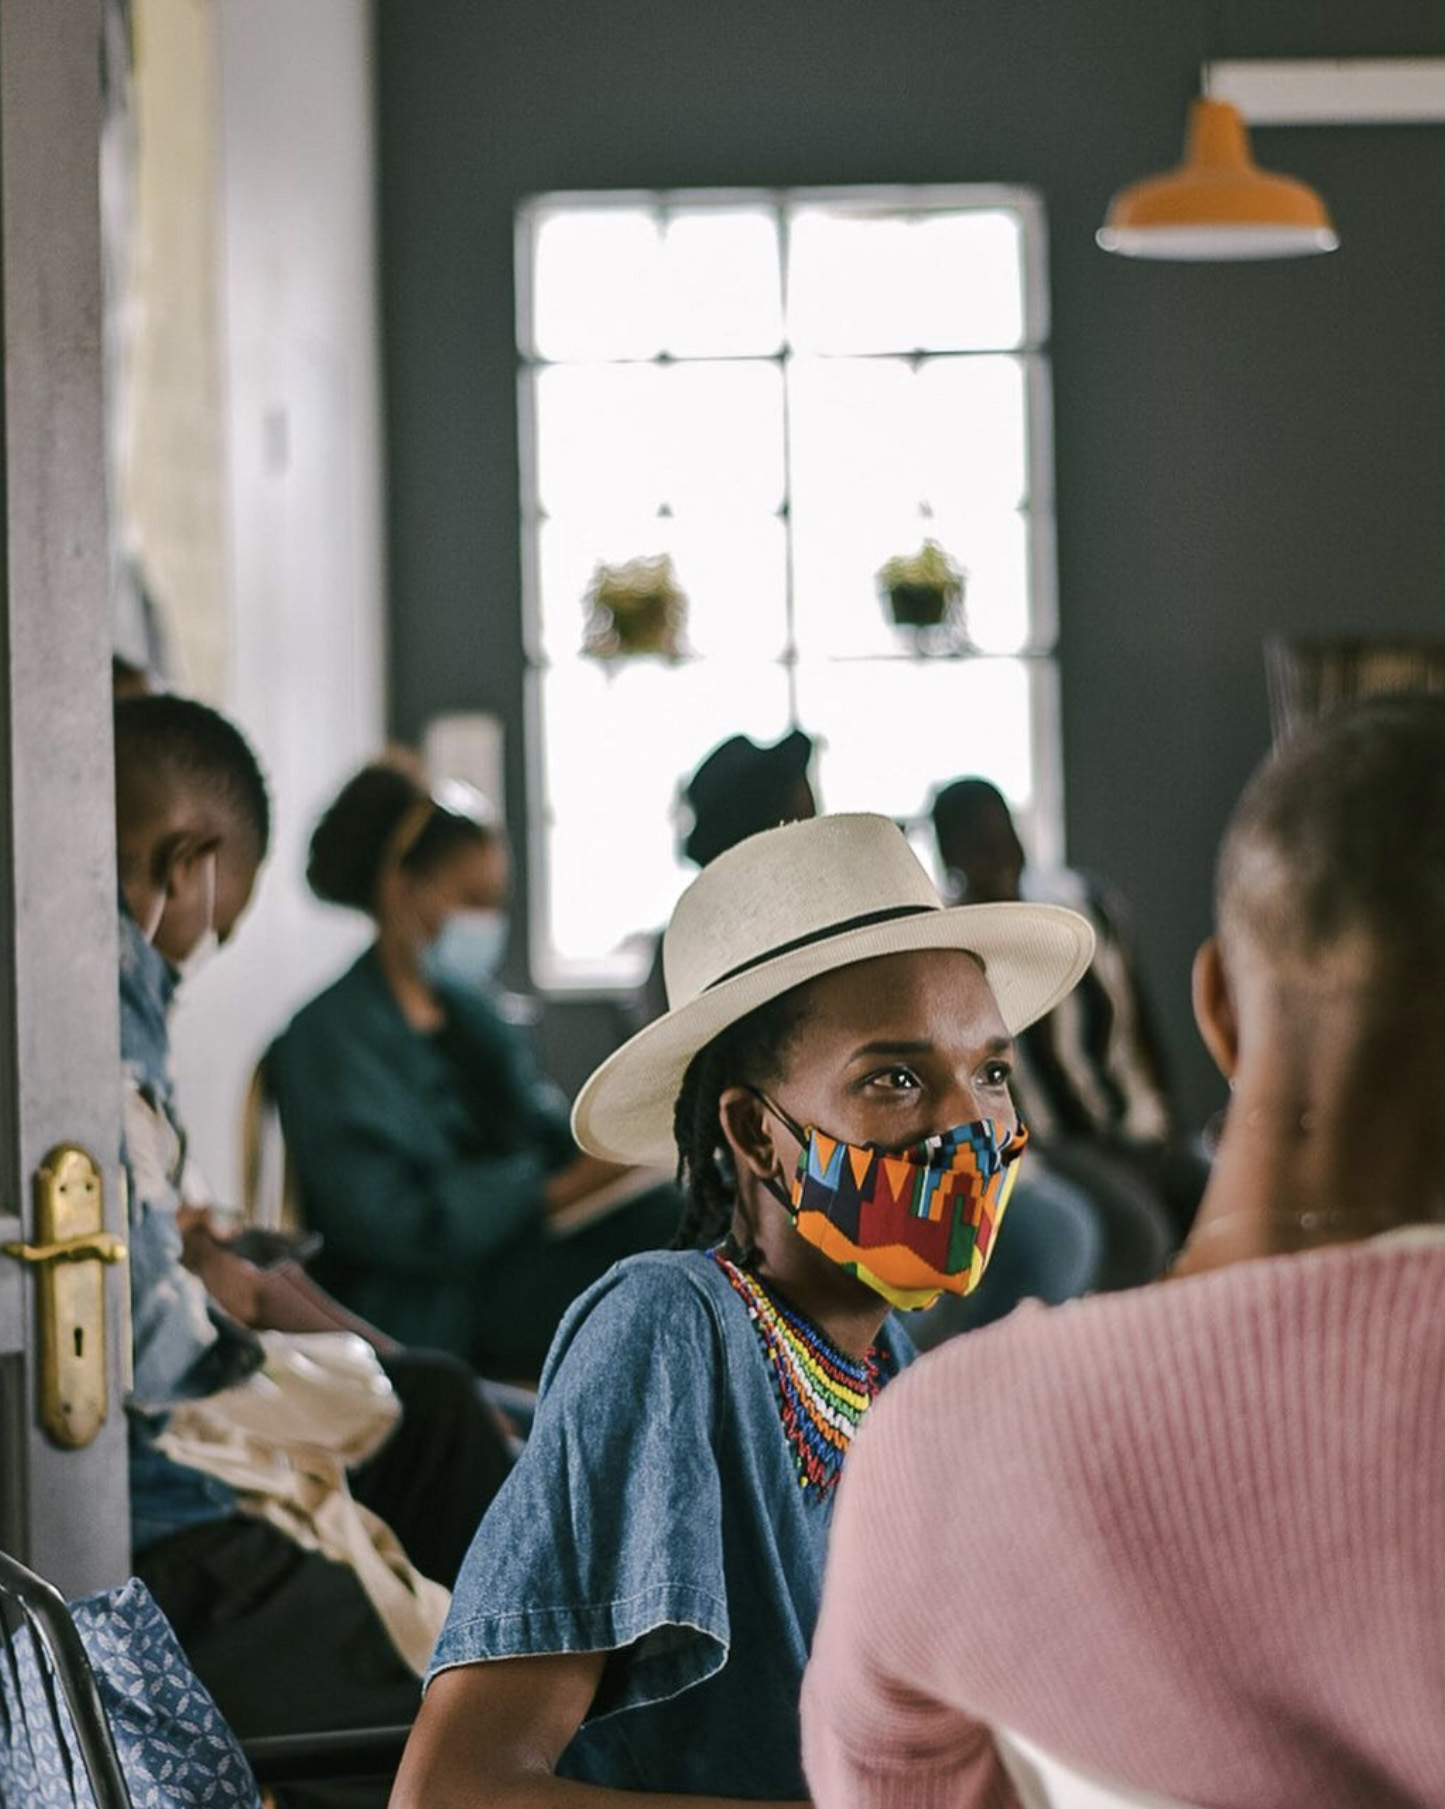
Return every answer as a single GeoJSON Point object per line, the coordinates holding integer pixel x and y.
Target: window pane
{"type": "Point", "coordinates": [861, 281]}
{"type": "Point", "coordinates": [732, 569]}
{"type": "Point", "coordinates": [597, 284]}
{"type": "Point", "coordinates": [967, 281]}
{"type": "Point", "coordinates": [724, 436]}
{"type": "Point", "coordinates": [848, 282]}
{"type": "Point", "coordinates": [838, 608]}
{"type": "Point", "coordinates": [600, 438]}
{"type": "Point", "coordinates": [969, 432]}
{"type": "Point", "coordinates": [617, 743]}
{"type": "Point", "coordinates": [851, 435]}
{"type": "Point", "coordinates": [724, 288]}
{"type": "Point", "coordinates": [993, 548]}
{"type": "Point", "coordinates": [642, 437]}
{"type": "Point", "coordinates": [893, 730]}
{"type": "Point", "coordinates": [569, 550]}
{"type": "Point", "coordinates": [836, 560]}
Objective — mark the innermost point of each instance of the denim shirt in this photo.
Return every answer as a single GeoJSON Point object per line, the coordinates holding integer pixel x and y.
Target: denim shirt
{"type": "Point", "coordinates": [656, 1515]}
{"type": "Point", "coordinates": [182, 1347]}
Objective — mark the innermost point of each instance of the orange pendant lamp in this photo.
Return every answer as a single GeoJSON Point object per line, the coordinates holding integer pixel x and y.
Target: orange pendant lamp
{"type": "Point", "coordinates": [1218, 206]}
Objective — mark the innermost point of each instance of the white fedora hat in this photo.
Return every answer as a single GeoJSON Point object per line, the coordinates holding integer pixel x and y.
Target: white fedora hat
{"type": "Point", "coordinates": [783, 907]}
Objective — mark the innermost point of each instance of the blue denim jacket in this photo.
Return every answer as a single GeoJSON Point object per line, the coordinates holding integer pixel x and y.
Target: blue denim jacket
{"type": "Point", "coordinates": [182, 1346]}
{"type": "Point", "coordinates": [656, 1515]}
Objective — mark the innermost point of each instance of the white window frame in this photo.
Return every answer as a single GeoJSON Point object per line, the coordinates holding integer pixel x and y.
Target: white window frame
{"type": "Point", "coordinates": [1042, 825]}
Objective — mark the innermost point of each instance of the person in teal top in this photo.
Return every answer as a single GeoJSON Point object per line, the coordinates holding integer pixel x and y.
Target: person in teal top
{"type": "Point", "coordinates": [432, 1154]}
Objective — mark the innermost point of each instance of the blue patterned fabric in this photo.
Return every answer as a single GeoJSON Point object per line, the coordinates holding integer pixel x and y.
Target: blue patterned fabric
{"type": "Point", "coordinates": [175, 1750]}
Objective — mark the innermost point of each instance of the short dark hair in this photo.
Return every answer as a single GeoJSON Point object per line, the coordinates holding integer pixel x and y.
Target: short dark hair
{"type": "Point", "coordinates": [355, 836]}
{"type": "Point", "coordinates": [1341, 833]}
{"type": "Point", "coordinates": [179, 743]}
{"type": "Point", "coordinates": [958, 808]}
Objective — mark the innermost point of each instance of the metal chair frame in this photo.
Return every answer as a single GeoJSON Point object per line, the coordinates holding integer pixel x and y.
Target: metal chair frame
{"type": "Point", "coordinates": [373, 1752]}
{"type": "Point", "coordinates": [43, 1608]}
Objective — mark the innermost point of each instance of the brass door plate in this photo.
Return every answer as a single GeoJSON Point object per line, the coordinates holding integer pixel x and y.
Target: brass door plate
{"type": "Point", "coordinates": [72, 1246]}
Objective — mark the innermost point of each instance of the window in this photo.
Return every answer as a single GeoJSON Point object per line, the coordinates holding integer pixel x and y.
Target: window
{"type": "Point", "coordinates": [780, 393]}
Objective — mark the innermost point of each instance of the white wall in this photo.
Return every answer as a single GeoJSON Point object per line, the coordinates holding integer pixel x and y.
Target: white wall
{"type": "Point", "coordinates": [304, 503]}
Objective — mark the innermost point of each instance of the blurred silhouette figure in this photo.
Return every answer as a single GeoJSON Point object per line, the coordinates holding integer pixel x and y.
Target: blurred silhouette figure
{"type": "Point", "coordinates": [738, 790]}
{"type": "Point", "coordinates": [1089, 1079]}
{"type": "Point", "coordinates": [741, 788]}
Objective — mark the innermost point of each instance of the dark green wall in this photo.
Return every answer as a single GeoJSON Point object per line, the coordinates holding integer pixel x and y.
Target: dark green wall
{"type": "Point", "coordinates": [1239, 450]}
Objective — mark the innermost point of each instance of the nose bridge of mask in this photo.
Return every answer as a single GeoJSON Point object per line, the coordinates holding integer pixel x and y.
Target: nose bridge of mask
{"type": "Point", "coordinates": [984, 1141]}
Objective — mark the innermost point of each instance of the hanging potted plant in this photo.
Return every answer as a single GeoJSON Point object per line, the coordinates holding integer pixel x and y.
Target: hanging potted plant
{"type": "Point", "coordinates": [635, 608]}
{"type": "Point", "coordinates": [923, 593]}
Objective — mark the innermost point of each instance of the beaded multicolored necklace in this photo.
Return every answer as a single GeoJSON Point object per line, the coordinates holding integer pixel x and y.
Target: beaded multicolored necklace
{"type": "Point", "coordinates": [822, 1394]}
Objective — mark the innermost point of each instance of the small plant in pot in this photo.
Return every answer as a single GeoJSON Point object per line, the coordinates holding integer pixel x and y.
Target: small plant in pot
{"type": "Point", "coordinates": [636, 608]}
{"type": "Point", "coordinates": [923, 594]}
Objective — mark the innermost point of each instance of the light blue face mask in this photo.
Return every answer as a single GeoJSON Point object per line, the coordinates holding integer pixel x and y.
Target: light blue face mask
{"type": "Point", "coordinates": [467, 951]}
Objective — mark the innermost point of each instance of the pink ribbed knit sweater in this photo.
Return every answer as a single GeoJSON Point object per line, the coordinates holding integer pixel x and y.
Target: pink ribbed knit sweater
{"type": "Point", "coordinates": [1190, 1539]}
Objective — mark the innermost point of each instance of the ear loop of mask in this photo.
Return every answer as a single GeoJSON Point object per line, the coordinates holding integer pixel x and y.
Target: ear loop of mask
{"type": "Point", "coordinates": [774, 1186]}
{"type": "Point", "coordinates": [151, 928]}
{"type": "Point", "coordinates": [209, 943]}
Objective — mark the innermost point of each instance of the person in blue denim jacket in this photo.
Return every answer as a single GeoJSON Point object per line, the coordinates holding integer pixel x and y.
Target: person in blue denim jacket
{"type": "Point", "coordinates": [832, 1074]}
{"type": "Point", "coordinates": [286, 1639]}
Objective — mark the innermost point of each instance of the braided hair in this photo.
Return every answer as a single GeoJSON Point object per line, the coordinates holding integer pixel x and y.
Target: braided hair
{"type": "Point", "coordinates": [749, 1051]}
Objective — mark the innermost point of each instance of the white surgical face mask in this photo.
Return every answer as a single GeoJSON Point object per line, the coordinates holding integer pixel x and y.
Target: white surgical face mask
{"type": "Point", "coordinates": [210, 942]}
{"type": "Point", "coordinates": [467, 951]}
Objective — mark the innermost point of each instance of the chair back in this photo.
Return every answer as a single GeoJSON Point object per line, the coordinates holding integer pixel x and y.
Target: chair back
{"type": "Point", "coordinates": [270, 1192]}
{"type": "Point", "coordinates": [100, 1709]}
{"type": "Point", "coordinates": [1306, 678]}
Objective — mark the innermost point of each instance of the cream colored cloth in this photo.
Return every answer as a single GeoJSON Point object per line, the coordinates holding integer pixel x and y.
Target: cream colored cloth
{"type": "Point", "coordinates": [1043, 1782]}
{"type": "Point", "coordinates": [284, 1439]}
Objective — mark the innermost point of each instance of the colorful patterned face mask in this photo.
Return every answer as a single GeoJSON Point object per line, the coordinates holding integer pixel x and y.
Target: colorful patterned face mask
{"type": "Point", "coordinates": [912, 1223]}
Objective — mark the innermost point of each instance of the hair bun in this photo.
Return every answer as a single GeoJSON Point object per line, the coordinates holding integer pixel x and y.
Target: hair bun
{"type": "Point", "coordinates": [349, 844]}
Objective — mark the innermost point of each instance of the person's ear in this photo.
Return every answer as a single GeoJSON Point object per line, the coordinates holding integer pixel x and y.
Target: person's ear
{"type": "Point", "coordinates": [176, 861]}
{"type": "Point", "coordinates": [1214, 1009]}
{"type": "Point", "coordinates": [749, 1129]}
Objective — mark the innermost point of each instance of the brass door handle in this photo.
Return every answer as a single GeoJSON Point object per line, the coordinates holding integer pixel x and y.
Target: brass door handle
{"type": "Point", "coordinates": [72, 1243]}
{"type": "Point", "coordinates": [96, 1246]}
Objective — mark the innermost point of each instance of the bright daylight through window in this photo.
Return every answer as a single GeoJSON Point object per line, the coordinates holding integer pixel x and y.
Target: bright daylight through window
{"type": "Point", "coordinates": [737, 409]}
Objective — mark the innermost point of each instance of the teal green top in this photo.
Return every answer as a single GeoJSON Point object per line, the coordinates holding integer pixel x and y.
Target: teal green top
{"type": "Point", "coordinates": [422, 1159]}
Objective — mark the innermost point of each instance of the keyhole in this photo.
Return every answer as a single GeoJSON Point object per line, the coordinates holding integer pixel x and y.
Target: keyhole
{"type": "Point", "coordinates": [80, 1341]}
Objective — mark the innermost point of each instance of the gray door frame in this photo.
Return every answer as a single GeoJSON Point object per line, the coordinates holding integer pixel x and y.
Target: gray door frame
{"type": "Point", "coordinates": [63, 1511]}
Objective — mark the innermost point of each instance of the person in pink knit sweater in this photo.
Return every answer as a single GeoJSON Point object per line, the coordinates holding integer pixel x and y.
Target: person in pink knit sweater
{"type": "Point", "coordinates": [1186, 1546]}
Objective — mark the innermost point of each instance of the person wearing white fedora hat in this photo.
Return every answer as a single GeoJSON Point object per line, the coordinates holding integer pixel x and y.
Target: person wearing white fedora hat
{"type": "Point", "coordinates": [637, 1607]}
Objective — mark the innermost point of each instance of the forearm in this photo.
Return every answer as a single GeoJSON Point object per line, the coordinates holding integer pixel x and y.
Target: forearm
{"type": "Point", "coordinates": [381, 1209]}
{"type": "Point", "coordinates": [289, 1301]}
{"type": "Point", "coordinates": [542, 1789]}
{"type": "Point", "coordinates": [489, 1736]}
